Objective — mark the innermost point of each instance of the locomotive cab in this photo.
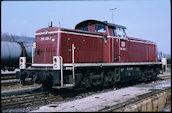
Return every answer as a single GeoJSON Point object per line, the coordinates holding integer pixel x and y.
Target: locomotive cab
{"type": "Point", "coordinates": [102, 27]}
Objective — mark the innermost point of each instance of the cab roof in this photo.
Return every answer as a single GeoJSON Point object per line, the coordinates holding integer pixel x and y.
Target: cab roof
{"type": "Point", "coordinates": [83, 23]}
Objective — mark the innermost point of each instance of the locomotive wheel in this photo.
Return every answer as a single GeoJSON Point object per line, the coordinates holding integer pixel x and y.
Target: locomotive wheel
{"type": "Point", "coordinates": [153, 76]}
{"type": "Point", "coordinates": [142, 77]}
{"type": "Point", "coordinates": [87, 82]}
{"type": "Point", "coordinates": [21, 76]}
{"type": "Point", "coordinates": [109, 78]}
{"type": "Point", "coordinates": [47, 84]}
{"type": "Point", "coordinates": [22, 81]}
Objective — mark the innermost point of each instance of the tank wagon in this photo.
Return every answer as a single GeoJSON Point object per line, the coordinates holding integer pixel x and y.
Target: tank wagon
{"type": "Point", "coordinates": [95, 53]}
{"type": "Point", "coordinates": [12, 51]}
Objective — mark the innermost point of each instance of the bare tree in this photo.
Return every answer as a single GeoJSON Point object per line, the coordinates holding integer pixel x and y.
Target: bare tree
{"type": "Point", "coordinates": [7, 37]}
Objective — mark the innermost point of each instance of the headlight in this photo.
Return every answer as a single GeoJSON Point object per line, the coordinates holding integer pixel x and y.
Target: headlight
{"type": "Point", "coordinates": [56, 62]}
{"type": "Point", "coordinates": [22, 63]}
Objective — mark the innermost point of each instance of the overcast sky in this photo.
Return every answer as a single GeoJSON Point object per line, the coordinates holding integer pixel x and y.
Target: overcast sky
{"type": "Point", "coordinates": [145, 19]}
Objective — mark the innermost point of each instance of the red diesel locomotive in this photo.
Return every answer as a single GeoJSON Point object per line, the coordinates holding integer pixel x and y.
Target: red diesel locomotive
{"type": "Point", "coordinates": [96, 53]}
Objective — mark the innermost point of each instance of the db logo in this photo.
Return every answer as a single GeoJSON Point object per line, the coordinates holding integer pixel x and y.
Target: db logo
{"type": "Point", "coordinates": [122, 44]}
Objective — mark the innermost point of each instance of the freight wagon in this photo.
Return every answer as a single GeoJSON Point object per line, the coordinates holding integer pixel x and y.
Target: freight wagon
{"type": "Point", "coordinates": [12, 51]}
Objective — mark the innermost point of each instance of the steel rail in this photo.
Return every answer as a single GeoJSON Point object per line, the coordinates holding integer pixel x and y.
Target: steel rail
{"type": "Point", "coordinates": [165, 77]}
{"type": "Point", "coordinates": [10, 83]}
{"type": "Point", "coordinates": [9, 105]}
{"type": "Point", "coordinates": [19, 96]}
{"type": "Point", "coordinates": [162, 110]}
{"type": "Point", "coordinates": [7, 76]}
{"type": "Point", "coordinates": [39, 99]}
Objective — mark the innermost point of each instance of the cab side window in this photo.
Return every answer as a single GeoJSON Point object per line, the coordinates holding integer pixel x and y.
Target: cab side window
{"type": "Point", "coordinates": [100, 28]}
{"type": "Point", "coordinates": [120, 32]}
{"type": "Point", "coordinates": [85, 28]}
{"type": "Point", "coordinates": [114, 32]}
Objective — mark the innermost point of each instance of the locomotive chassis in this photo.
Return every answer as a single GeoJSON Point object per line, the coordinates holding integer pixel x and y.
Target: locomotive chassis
{"type": "Point", "coordinates": [84, 75]}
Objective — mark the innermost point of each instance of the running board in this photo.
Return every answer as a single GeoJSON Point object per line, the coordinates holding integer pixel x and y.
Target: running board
{"type": "Point", "coordinates": [69, 65]}
{"type": "Point", "coordinates": [64, 86]}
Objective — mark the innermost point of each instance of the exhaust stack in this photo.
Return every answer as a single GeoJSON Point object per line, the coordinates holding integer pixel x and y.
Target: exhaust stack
{"type": "Point", "coordinates": [50, 24]}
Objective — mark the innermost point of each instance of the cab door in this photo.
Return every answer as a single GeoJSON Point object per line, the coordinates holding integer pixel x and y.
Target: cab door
{"type": "Point", "coordinates": [115, 47]}
{"type": "Point", "coordinates": [122, 45]}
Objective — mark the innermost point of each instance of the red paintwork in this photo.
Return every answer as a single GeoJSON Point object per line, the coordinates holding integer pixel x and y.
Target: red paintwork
{"type": "Point", "coordinates": [141, 52]}
{"type": "Point", "coordinates": [90, 49]}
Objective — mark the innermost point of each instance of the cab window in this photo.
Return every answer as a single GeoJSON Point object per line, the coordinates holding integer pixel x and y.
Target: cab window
{"type": "Point", "coordinates": [114, 32]}
{"type": "Point", "coordinates": [100, 28]}
{"type": "Point", "coordinates": [85, 28]}
{"type": "Point", "coordinates": [120, 32]}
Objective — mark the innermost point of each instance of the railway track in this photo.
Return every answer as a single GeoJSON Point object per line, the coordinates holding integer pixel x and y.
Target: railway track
{"type": "Point", "coordinates": [6, 83]}
{"type": "Point", "coordinates": [29, 99]}
{"type": "Point", "coordinates": [23, 100]}
{"type": "Point", "coordinates": [8, 76]}
{"type": "Point", "coordinates": [12, 82]}
{"type": "Point", "coordinates": [168, 76]}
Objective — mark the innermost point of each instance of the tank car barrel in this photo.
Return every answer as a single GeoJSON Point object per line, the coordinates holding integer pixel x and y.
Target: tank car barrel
{"type": "Point", "coordinates": [11, 51]}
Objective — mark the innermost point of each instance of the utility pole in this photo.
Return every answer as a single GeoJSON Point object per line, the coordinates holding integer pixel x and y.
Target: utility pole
{"type": "Point", "coordinates": [112, 12]}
